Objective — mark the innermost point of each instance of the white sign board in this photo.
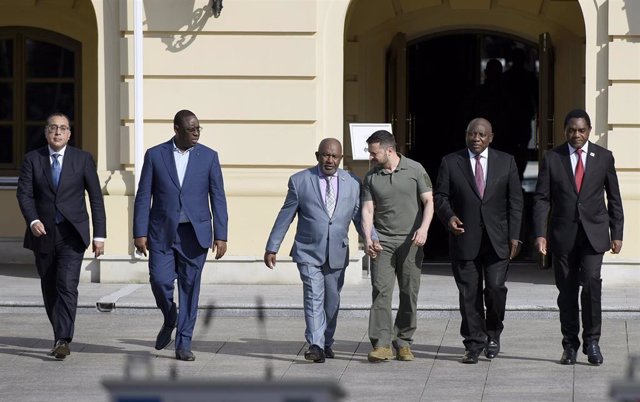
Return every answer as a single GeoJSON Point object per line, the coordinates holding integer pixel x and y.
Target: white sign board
{"type": "Point", "coordinates": [359, 134]}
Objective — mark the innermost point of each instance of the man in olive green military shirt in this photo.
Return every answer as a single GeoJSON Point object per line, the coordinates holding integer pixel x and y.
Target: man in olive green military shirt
{"type": "Point", "coordinates": [397, 200]}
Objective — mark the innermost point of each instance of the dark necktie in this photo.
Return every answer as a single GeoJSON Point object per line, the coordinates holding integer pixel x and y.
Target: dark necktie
{"type": "Point", "coordinates": [330, 197]}
{"type": "Point", "coordinates": [479, 176]}
{"type": "Point", "coordinates": [55, 170]}
{"type": "Point", "coordinates": [579, 169]}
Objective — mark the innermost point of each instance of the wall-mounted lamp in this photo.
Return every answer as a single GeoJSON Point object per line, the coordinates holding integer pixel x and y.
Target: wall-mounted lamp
{"type": "Point", "coordinates": [216, 6]}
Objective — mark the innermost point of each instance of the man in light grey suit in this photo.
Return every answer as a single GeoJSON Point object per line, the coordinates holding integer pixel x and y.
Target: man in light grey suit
{"type": "Point", "coordinates": [326, 199]}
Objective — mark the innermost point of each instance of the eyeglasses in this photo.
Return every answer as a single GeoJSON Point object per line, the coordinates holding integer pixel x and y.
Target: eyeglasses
{"type": "Point", "coordinates": [193, 130]}
{"type": "Point", "coordinates": [52, 128]}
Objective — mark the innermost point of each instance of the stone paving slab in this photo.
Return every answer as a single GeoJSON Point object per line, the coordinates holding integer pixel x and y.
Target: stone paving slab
{"type": "Point", "coordinates": [239, 348]}
{"type": "Point", "coordinates": [530, 290]}
{"type": "Point", "coordinates": [235, 346]}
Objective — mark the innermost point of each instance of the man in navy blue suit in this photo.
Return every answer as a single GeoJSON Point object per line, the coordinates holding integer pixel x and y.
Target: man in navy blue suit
{"type": "Point", "coordinates": [180, 191]}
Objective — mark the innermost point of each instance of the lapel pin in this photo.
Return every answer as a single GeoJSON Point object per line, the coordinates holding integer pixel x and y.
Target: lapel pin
{"type": "Point", "coordinates": [592, 154]}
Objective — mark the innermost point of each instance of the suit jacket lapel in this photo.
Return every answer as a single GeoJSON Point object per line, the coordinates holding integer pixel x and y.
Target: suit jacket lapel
{"type": "Point", "coordinates": [342, 193]}
{"type": "Point", "coordinates": [465, 167]}
{"type": "Point", "coordinates": [170, 163]}
{"type": "Point", "coordinates": [592, 162]}
{"type": "Point", "coordinates": [194, 155]}
{"type": "Point", "coordinates": [45, 161]}
{"type": "Point", "coordinates": [65, 169]}
{"type": "Point", "coordinates": [315, 184]}
{"type": "Point", "coordinates": [566, 164]}
{"type": "Point", "coordinates": [492, 171]}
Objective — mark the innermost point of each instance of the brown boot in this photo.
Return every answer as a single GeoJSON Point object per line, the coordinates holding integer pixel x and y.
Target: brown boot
{"type": "Point", "coordinates": [380, 353]}
{"type": "Point", "coordinates": [404, 354]}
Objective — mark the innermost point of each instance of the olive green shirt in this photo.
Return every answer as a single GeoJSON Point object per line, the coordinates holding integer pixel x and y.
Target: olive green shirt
{"type": "Point", "coordinates": [396, 197]}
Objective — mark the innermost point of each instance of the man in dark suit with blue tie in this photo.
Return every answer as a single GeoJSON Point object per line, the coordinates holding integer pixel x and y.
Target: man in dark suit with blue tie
{"type": "Point", "coordinates": [51, 193]}
{"type": "Point", "coordinates": [479, 199]}
{"type": "Point", "coordinates": [180, 191]}
{"type": "Point", "coordinates": [326, 199]}
{"type": "Point", "coordinates": [570, 211]}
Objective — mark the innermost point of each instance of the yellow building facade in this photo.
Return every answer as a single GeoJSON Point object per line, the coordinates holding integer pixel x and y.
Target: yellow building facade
{"type": "Point", "coordinates": [269, 79]}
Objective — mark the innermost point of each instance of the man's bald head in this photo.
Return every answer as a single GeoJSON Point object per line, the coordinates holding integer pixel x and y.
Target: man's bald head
{"type": "Point", "coordinates": [329, 155]}
{"type": "Point", "coordinates": [481, 121]}
{"type": "Point", "coordinates": [328, 142]}
{"type": "Point", "coordinates": [479, 135]}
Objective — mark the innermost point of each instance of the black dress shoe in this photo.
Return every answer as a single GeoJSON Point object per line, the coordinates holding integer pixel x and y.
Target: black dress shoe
{"type": "Point", "coordinates": [164, 336]}
{"type": "Point", "coordinates": [470, 356]}
{"type": "Point", "coordinates": [60, 349]}
{"type": "Point", "coordinates": [593, 353]}
{"type": "Point", "coordinates": [185, 355]}
{"type": "Point", "coordinates": [315, 354]}
{"type": "Point", "coordinates": [493, 348]}
{"type": "Point", "coordinates": [568, 356]}
{"type": "Point", "coordinates": [328, 352]}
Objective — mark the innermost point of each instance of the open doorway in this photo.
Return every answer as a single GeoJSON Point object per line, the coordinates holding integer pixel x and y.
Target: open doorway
{"type": "Point", "coordinates": [456, 76]}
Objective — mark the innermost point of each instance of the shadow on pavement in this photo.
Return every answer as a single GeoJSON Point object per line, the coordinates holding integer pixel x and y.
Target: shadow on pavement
{"type": "Point", "coordinates": [19, 270]}
{"type": "Point", "coordinates": [37, 348]}
{"type": "Point", "coordinates": [525, 272]}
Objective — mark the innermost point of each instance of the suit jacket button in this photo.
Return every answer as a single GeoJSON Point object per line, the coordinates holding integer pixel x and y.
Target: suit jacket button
{"type": "Point", "coordinates": [330, 223]}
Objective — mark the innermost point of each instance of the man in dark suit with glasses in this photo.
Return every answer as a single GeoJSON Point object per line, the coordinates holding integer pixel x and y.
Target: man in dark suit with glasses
{"type": "Point", "coordinates": [51, 193]}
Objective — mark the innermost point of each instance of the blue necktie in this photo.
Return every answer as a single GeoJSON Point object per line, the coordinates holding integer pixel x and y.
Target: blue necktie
{"type": "Point", "coordinates": [55, 170]}
{"type": "Point", "coordinates": [55, 175]}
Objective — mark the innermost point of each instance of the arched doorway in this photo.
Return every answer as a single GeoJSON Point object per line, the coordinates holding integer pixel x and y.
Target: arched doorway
{"type": "Point", "coordinates": [476, 74]}
{"type": "Point", "coordinates": [446, 50]}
